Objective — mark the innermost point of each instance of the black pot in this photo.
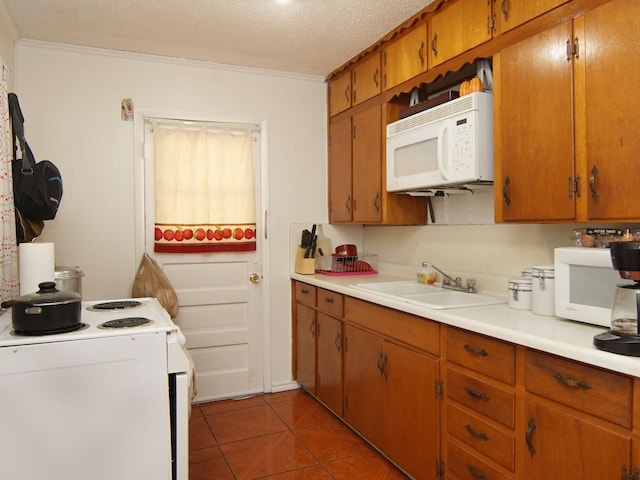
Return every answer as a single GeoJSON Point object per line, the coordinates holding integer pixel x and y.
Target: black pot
{"type": "Point", "coordinates": [46, 311]}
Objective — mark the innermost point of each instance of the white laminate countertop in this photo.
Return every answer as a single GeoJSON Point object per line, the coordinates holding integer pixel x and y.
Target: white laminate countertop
{"type": "Point", "coordinates": [555, 335]}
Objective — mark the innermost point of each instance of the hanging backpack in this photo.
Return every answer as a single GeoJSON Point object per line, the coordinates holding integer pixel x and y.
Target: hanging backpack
{"type": "Point", "coordinates": [37, 186]}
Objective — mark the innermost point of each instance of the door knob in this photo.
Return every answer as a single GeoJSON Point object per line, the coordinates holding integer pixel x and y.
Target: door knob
{"type": "Point", "coordinates": [254, 278]}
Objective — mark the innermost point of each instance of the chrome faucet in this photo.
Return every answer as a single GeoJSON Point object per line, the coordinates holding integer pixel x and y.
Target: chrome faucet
{"type": "Point", "coordinates": [453, 283]}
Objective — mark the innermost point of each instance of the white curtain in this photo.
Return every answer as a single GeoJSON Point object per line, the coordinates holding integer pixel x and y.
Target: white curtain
{"type": "Point", "coordinates": [9, 287]}
{"type": "Point", "coordinates": [204, 187]}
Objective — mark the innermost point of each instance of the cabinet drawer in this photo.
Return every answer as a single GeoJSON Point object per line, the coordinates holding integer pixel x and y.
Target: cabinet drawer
{"type": "Point", "coordinates": [601, 393]}
{"type": "Point", "coordinates": [330, 302]}
{"type": "Point", "coordinates": [416, 331]}
{"type": "Point", "coordinates": [306, 294]}
{"type": "Point", "coordinates": [466, 465]}
{"type": "Point", "coordinates": [490, 400]}
{"type": "Point", "coordinates": [481, 354]}
{"type": "Point", "coordinates": [481, 435]}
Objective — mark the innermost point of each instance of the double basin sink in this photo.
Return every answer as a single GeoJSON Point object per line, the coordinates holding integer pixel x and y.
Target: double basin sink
{"type": "Point", "coordinates": [431, 296]}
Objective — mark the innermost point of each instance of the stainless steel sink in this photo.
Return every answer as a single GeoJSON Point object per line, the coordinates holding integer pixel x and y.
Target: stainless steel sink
{"type": "Point", "coordinates": [431, 296]}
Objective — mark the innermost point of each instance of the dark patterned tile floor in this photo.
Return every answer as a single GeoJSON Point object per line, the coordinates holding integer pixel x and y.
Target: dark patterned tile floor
{"type": "Point", "coordinates": [280, 436]}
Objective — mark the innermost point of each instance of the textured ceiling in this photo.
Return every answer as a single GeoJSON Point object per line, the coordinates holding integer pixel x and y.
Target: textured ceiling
{"type": "Point", "coordinates": [303, 36]}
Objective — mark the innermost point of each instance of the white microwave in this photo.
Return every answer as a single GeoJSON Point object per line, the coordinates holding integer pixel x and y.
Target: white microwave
{"type": "Point", "coordinates": [585, 284]}
{"type": "Point", "coordinates": [449, 145]}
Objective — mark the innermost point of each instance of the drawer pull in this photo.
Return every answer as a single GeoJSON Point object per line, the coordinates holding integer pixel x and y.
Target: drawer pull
{"type": "Point", "coordinates": [481, 436]}
{"type": "Point", "coordinates": [528, 435]}
{"type": "Point", "coordinates": [479, 396]}
{"type": "Point", "coordinates": [476, 473]}
{"type": "Point", "coordinates": [572, 383]}
{"type": "Point", "coordinates": [305, 291]}
{"type": "Point", "coordinates": [478, 352]}
{"type": "Point", "coordinates": [328, 299]}
{"type": "Point", "coordinates": [337, 341]}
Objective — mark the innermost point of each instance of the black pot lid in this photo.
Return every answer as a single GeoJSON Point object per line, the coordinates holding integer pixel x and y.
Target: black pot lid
{"type": "Point", "coordinates": [48, 294]}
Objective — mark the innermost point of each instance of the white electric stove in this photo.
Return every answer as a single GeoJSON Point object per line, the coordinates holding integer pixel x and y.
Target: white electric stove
{"type": "Point", "coordinates": [107, 401]}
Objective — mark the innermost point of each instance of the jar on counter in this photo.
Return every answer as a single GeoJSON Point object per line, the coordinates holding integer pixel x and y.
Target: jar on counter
{"type": "Point", "coordinates": [519, 293]}
{"type": "Point", "coordinates": [543, 290]}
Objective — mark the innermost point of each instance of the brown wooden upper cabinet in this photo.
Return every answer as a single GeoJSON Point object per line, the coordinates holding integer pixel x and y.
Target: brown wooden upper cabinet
{"type": "Point", "coordinates": [366, 79]}
{"type": "Point", "coordinates": [405, 57]}
{"type": "Point", "coordinates": [340, 93]}
{"type": "Point", "coordinates": [568, 147]}
{"type": "Point", "coordinates": [458, 28]}
{"type": "Point", "coordinates": [512, 13]}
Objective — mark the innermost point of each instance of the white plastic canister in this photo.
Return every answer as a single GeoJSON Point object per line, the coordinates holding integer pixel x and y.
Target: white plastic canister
{"type": "Point", "coordinates": [519, 293]}
{"type": "Point", "coordinates": [543, 290]}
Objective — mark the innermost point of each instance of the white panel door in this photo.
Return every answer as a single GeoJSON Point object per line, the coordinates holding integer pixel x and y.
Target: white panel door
{"type": "Point", "coordinates": [220, 303]}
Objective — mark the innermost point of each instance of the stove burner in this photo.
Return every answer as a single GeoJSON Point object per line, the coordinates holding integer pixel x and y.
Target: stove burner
{"type": "Point", "coordinates": [37, 333]}
{"type": "Point", "coordinates": [127, 322]}
{"type": "Point", "coordinates": [115, 305]}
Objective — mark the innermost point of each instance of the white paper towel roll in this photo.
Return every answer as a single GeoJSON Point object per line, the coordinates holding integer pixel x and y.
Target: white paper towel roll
{"type": "Point", "coordinates": [37, 264]}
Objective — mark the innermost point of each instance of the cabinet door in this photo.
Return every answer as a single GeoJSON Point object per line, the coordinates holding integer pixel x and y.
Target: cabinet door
{"type": "Point", "coordinates": [367, 166]}
{"type": "Point", "coordinates": [363, 385]}
{"type": "Point", "coordinates": [411, 411]}
{"type": "Point", "coordinates": [340, 93]}
{"type": "Point", "coordinates": [536, 118]}
{"type": "Point", "coordinates": [516, 12]}
{"type": "Point", "coordinates": [612, 110]}
{"type": "Point", "coordinates": [329, 386]}
{"type": "Point", "coordinates": [560, 445]}
{"type": "Point", "coordinates": [306, 347]}
{"type": "Point", "coordinates": [405, 58]}
{"type": "Point", "coordinates": [340, 200]}
{"type": "Point", "coordinates": [366, 79]}
{"type": "Point", "coordinates": [458, 28]}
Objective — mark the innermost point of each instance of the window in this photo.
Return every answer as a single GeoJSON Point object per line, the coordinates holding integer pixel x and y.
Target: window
{"type": "Point", "coordinates": [204, 186]}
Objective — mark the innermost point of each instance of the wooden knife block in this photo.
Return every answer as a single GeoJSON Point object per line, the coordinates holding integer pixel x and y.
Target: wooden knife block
{"type": "Point", "coordinates": [306, 266]}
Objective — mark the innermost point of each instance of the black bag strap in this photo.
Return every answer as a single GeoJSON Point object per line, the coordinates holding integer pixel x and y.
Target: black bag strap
{"type": "Point", "coordinates": [17, 125]}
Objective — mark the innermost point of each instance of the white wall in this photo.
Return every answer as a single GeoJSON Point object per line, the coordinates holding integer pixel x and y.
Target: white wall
{"type": "Point", "coordinates": [71, 101]}
{"type": "Point", "coordinates": [8, 38]}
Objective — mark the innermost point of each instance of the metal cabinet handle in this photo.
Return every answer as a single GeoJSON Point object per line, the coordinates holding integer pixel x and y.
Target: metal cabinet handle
{"type": "Point", "coordinates": [505, 187]}
{"type": "Point", "coordinates": [384, 366]}
{"type": "Point", "coordinates": [379, 364]}
{"type": "Point", "coordinates": [312, 327]}
{"type": "Point", "coordinates": [434, 45]}
{"type": "Point", "coordinates": [592, 182]}
{"type": "Point", "coordinates": [337, 341]}
{"type": "Point", "coordinates": [376, 202]}
{"type": "Point", "coordinates": [576, 47]}
{"type": "Point", "coordinates": [476, 473]}
{"type": "Point", "coordinates": [328, 300]}
{"type": "Point", "coordinates": [528, 435]}
{"type": "Point", "coordinates": [482, 436]}
{"type": "Point", "coordinates": [505, 11]}
{"type": "Point", "coordinates": [375, 77]}
{"type": "Point", "coordinates": [348, 204]}
{"type": "Point", "coordinates": [305, 291]}
{"type": "Point", "coordinates": [347, 92]}
{"type": "Point", "coordinates": [571, 383]}
{"type": "Point", "coordinates": [480, 396]}
{"type": "Point", "coordinates": [421, 53]}
{"type": "Point", "coordinates": [478, 352]}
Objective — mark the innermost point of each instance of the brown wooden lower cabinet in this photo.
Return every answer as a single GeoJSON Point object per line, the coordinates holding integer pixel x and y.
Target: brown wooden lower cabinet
{"type": "Point", "coordinates": [477, 408]}
{"type": "Point", "coordinates": [391, 399]}
{"type": "Point", "coordinates": [561, 444]}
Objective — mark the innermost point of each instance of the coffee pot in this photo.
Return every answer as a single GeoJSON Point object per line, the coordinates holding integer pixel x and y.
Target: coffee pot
{"type": "Point", "coordinates": [624, 335]}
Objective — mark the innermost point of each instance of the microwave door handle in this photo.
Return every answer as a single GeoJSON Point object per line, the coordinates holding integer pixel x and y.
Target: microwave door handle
{"type": "Point", "coordinates": [441, 151]}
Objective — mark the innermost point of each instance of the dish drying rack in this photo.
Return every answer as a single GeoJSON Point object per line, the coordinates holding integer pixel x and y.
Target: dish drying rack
{"type": "Point", "coordinates": [361, 264]}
